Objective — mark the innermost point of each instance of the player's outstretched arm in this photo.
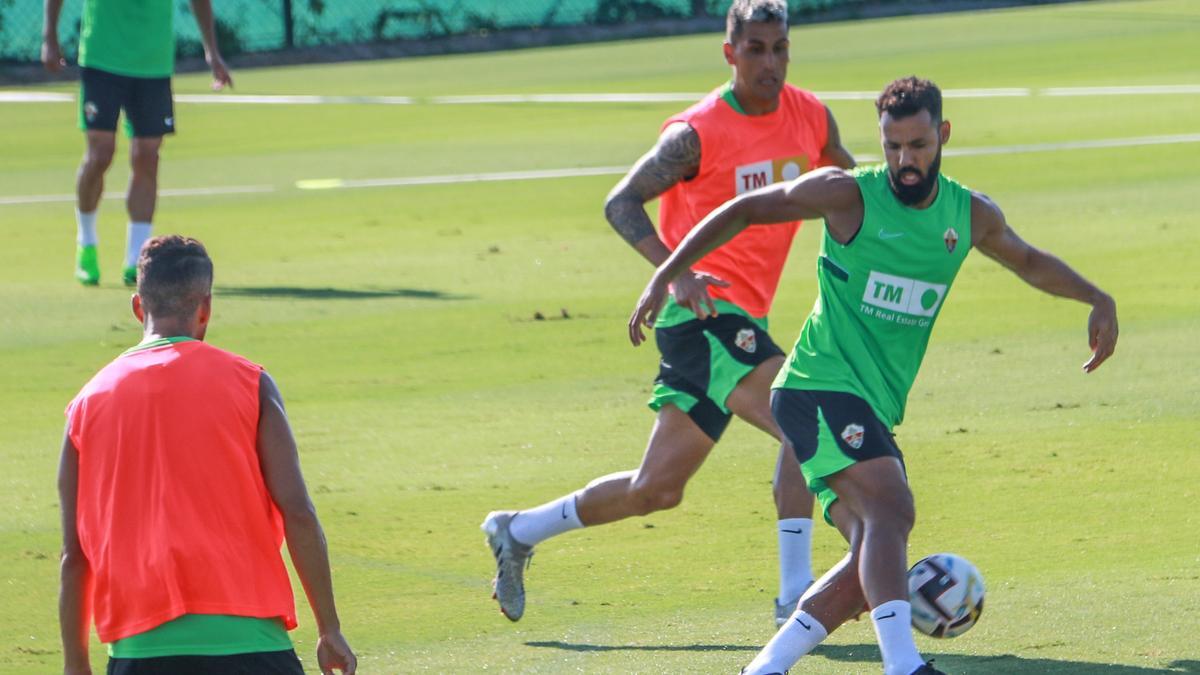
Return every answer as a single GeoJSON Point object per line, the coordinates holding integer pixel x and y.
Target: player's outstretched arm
{"type": "Point", "coordinates": [74, 599]}
{"type": "Point", "coordinates": [992, 235]}
{"type": "Point", "coordinates": [280, 464]}
{"type": "Point", "coordinates": [202, 11]}
{"type": "Point", "coordinates": [828, 193]}
{"type": "Point", "coordinates": [674, 158]}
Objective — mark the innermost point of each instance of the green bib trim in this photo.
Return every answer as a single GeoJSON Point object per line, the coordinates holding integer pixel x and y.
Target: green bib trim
{"type": "Point", "coordinates": [204, 635]}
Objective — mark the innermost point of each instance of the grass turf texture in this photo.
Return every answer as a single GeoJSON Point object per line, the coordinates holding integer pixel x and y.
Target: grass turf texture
{"type": "Point", "coordinates": [399, 324]}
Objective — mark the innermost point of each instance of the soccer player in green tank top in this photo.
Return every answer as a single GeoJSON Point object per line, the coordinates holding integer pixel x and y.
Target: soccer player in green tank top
{"type": "Point", "coordinates": [126, 58]}
{"type": "Point", "coordinates": [896, 235]}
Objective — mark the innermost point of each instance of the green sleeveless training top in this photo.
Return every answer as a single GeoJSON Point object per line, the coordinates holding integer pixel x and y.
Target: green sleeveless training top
{"type": "Point", "coordinates": [879, 295]}
{"type": "Point", "coordinates": [128, 37]}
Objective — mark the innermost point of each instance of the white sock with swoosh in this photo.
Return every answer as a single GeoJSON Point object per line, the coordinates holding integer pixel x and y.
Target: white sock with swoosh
{"type": "Point", "coordinates": [893, 627]}
{"type": "Point", "coordinates": [533, 526]}
{"type": "Point", "coordinates": [795, 638]}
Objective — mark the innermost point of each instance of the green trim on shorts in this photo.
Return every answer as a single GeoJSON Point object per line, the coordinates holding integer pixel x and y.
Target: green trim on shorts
{"type": "Point", "coordinates": [724, 372]}
{"type": "Point", "coordinates": [83, 120]}
{"type": "Point", "coordinates": [828, 460]}
{"type": "Point", "coordinates": [204, 635]}
{"type": "Point", "coordinates": [664, 394]}
{"type": "Point", "coordinates": [673, 313]}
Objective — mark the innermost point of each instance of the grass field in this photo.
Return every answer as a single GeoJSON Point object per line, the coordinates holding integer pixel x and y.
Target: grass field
{"type": "Point", "coordinates": [399, 324]}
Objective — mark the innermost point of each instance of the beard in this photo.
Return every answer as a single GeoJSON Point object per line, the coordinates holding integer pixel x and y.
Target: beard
{"type": "Point", "coordinates": [911, 195]}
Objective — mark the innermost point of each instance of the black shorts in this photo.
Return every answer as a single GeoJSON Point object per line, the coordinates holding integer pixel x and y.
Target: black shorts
{"type": "Point", "coordinates": [703, 360]}
{"type": "Point", "coordinates": [257, 663]}
{"type": "Point", "coordinates": [149, 108]}
{"type": "Point", "coordinates": [830, 431]}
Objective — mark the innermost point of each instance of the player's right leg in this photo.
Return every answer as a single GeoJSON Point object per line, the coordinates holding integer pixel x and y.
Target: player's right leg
{"type": "Point", "coordinates": [676, 450]}
{"type": "Point", "coordinates": [100, 100]}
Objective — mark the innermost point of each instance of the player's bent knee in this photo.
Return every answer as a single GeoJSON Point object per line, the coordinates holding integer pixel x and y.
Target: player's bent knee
{"type": "Point", "coordinates": [647, 498]}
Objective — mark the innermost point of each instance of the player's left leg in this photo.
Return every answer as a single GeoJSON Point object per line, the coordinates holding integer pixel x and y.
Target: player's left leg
{"type": "Point", "coordinates": [150, 115]}
{"type": "Point", "coordinates": [832, 600]}
{"type": "Point", "coordinates": [141, 200]}
{"type": "Point", "coordinates": [751, 401]}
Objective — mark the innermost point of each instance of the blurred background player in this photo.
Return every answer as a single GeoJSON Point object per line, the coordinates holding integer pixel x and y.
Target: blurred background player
{"type": "Point", "coordinates": [895, 237]}
{"type": "Point", "coordinates": [717, 357]}
{"type": "Point", "coordinates": [179, 480]}
{"type": "Point", "coordinates": [126, 58]}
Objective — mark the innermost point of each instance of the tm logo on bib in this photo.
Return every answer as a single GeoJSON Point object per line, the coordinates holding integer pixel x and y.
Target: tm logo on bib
{"type": "Point", "coordinates": [761, 174]}
{"type": "Point", "coordinates": [900, 294]}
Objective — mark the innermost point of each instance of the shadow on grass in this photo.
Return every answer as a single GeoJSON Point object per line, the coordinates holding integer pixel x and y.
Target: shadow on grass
{"type": "Point", "coordinates": [579, 647]}
{"type": "Point", "coordinates": [1004, 663]}
{"type": "Point", "coordinates": [869, 654]}
{"type": "Point", "coordinates": [327, 293]}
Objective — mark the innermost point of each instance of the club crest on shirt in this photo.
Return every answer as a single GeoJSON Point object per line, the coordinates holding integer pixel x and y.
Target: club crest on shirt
{"type": "Point", "coordinates": [853, 435]}
{"type": "Point", "coordinates": [951, 239]}
{"type": "Point", "coordinates": [746, 341]}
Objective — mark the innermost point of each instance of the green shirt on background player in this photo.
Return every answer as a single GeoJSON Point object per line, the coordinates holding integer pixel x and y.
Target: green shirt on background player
{"type": "Point", "coordinates": [126, 58]}
{"type": "Point", "coordinates": [895, 238]}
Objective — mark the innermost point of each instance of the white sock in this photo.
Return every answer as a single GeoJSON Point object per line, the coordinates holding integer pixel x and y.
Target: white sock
{"type": "Point", "coordinates": [795, 557]}
{"type": "Point", "coordinates": [893, 627]}
{"type": "Point", "coordinates": [137, 234]}
{"type": "Point", "coordinates": [538, 524]}
{"type": "Point", "coordinates": [86, 234]}
{"type": "Point", "coordinates": [795, 638]}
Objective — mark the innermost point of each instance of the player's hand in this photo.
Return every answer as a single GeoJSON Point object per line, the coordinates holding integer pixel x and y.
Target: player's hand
{"type": "Point", "coordinates": [1102, 332]}
{"type": "Point", "coordinates": [334, 653]}
{"type": "Point", "coordinates": [647, 308]}
{"type": "Point", "coordinates": [52, 58]}
{"type": "Point", "coordinates": [220, 72]}
{"type": "Point", "coordinates": [691, 291]}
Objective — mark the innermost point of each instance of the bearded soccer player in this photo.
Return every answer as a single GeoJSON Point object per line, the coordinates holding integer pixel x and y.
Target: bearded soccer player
{"type": "Point", "coordinates": [179, 480]}
{"type": "Point", "coordinates": [126, 58]}
{"type": "Point", "coordinates": [895, 237]}
{"type": "Point", "coordinates": [717, 357]}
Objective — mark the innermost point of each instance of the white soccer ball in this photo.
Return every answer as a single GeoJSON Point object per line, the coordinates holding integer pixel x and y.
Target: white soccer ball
{"type": "Point", "coordinates": [946, 593]}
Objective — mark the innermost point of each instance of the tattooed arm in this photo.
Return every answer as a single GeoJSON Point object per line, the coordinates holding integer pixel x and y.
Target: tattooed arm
{"type": "Point", "coordinates": [676, 157]}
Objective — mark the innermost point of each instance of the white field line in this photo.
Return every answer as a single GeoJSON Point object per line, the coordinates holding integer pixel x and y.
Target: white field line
{"type": "Point", "coordinates": [544, 174]}
{"type": "Point", "coordinates": [168, 192]}
{"type": "Point", "coordinates": [16, 96]}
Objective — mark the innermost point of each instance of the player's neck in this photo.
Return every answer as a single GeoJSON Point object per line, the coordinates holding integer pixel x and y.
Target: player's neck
{"type": "Point", "coordinates": [170, 327]}
{"type": "Point", "coordinates": [753, 106]}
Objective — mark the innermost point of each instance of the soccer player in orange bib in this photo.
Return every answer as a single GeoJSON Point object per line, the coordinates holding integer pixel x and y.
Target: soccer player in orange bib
{"type": "Point", "coordinates": [717, 357]}
{"type": "Point", "coordinates": [179, 481]}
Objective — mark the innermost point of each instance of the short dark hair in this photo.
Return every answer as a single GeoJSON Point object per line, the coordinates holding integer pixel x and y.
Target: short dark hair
{"type": "Point", "coordinates": [174, 275]}
{"type": "Point", "coordinates": [742, 12]}
{"type": "Point", "coordinates": [908, 96]}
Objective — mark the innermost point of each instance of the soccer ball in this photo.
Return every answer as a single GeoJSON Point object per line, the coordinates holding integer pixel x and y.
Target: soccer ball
{"type": "Point", "coordinates": [946, 594]}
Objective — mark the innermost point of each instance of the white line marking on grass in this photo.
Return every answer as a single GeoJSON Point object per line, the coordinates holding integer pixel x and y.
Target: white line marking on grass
{"type": "Point", "coordinates": [1152, 89]}
{"type": "Point", "coordinates": [1074, 145]}
{"type": "Point", "coordinates": [17, 96]}
{"type": "Point", "coordinates": [169, 192]}
{"type": "Point", "coordinates": [543, 174]}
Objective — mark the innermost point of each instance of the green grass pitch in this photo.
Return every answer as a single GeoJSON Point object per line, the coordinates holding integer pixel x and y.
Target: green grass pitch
{"type": "Point", "coordinates": [399, 324]}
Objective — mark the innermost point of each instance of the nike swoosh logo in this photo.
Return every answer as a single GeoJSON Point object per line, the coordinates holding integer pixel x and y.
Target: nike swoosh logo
{"type": "Point", "coordinates": [888, 616]}
{"type": "Point", "coordinates": [806, 626]}
{"type": "Point", "coordinates": [564, 514]}
{"type": "Point", "coordinates": [800, 531]}
{"type": "Point", "coordinates": [884, 234]}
